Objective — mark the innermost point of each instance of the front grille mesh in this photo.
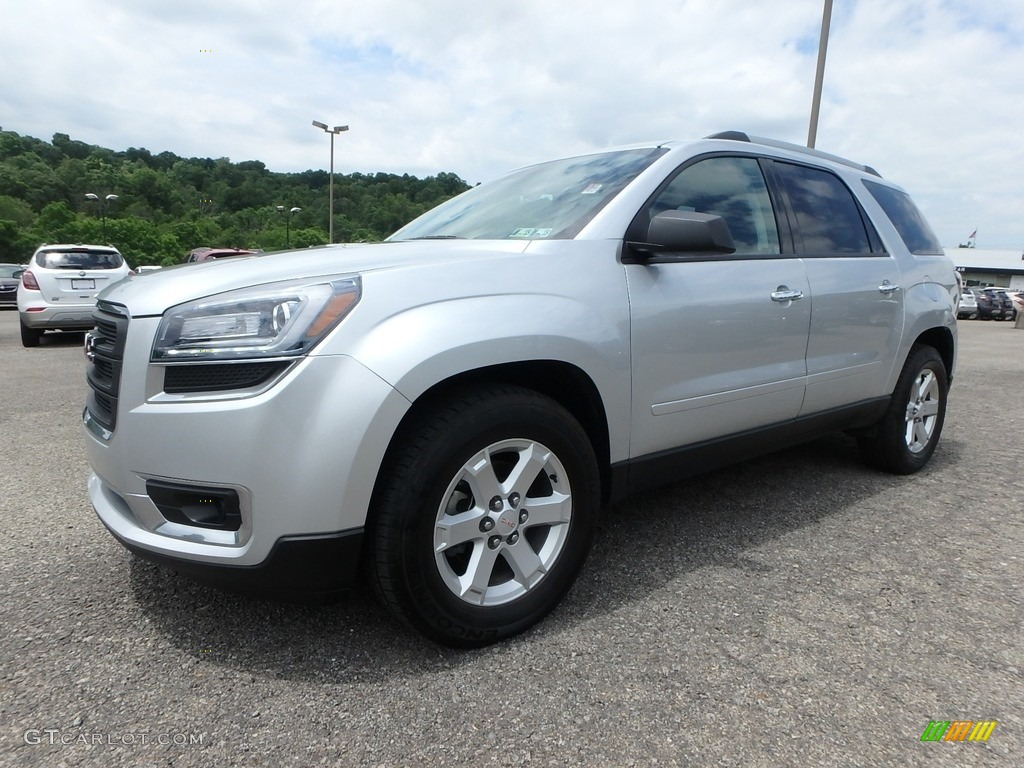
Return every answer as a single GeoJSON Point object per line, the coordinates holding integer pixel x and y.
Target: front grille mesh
{"type": "Point", "coordinates": [220, 376]}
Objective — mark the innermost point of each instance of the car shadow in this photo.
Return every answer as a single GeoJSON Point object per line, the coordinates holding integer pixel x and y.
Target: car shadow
{"type": "Point", "coordinates": [712, 520]}
{"type": "Point", "coordinates": [63, 339]}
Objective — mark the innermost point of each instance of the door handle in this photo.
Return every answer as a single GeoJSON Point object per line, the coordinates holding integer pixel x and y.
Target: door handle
{"type": "Point", "coordinates": [783, 294]}
{"type": "Point", "coordinates": [887, 288]}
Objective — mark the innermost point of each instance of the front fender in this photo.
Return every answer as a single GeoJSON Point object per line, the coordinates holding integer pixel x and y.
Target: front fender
{"type": "Point", "coordinates": [570, 310]}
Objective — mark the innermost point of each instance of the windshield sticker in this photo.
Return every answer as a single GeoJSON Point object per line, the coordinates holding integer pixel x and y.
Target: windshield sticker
{"type": "Point", "coordinates": [542, 232]}
{"type": "Point", "coordinates": [523, 232]}
{"type": "Point", "coordinates": [592, 189]}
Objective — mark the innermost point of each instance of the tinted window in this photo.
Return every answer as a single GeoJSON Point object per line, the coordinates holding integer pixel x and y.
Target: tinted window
{"type": "Point", "coordinates": [915, 232]}
{"type": "Point", "coordinates": [827, 217]}
{"type": "Point", "coordinates": [83, 259]}
{"type": "Point", "coordinates": [730, 187]}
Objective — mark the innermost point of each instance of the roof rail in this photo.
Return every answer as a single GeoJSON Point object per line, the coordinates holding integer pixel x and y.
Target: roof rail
{"type": "Point", "coordinates": [741, 136]}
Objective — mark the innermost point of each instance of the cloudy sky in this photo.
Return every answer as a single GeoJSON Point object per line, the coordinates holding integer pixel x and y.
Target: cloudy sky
{"type": "Point", "coordinates": [929, 92]}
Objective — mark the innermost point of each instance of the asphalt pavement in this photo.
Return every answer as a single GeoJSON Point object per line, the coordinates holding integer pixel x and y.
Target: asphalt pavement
{"type": "Point", "coordinates": [796, 610]}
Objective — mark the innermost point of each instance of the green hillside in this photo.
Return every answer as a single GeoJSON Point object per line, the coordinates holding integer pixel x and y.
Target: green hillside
{"type": "Point", "coordinates": [168, 205]}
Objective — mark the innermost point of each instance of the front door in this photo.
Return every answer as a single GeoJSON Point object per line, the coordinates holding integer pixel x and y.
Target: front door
{"type": "Point", "coordinates": [718, 341]}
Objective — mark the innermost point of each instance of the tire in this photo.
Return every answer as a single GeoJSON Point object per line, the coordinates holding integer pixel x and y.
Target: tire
{"type": "Point", "coordinates": [483, 516]}
{"type": "Point", "coordinates": [30, 336]}
{"type": "Point", "coordinates": [905, 438]}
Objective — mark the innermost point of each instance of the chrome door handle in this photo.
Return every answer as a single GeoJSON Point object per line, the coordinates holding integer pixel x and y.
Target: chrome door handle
{"type": "Point", "coordinates": [886, 287]}
{"type": "Point", "coordinates": [786, 294]}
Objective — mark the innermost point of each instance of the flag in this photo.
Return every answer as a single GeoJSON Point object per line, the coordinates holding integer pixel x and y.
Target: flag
{"type": "Point", "coordinates": [973, 235]}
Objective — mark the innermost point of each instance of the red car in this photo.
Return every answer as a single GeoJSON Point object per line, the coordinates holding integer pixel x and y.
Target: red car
{"type": "Point", "coordinates": [207, 254]}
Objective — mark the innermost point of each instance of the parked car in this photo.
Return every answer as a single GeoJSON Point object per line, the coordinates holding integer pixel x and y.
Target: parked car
{"type": "Point", "coordinates": [987, 309]}
{"type": "Point", "coordinates": [1017, 297]}
{"type": "Point", "coordinates": [197, 255]}
{"type": "Point", "coordinates": [452, 407]}
{"type": "Point", "coordinates": [968, 306]}
{"type": "Point", "coordinates": [10, 276]}
{"type": "Point", "coordinates": [1002, 299]}
{"type": "Point", "coordinates": [59, 286]}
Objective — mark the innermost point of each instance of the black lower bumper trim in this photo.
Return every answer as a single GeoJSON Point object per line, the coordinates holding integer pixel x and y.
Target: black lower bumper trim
{"type": "Point", "coordinates": [303, 569]}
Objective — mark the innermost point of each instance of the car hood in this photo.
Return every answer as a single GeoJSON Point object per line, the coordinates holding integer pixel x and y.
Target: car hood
{"type": "Point", "coordinates": [152, 293]}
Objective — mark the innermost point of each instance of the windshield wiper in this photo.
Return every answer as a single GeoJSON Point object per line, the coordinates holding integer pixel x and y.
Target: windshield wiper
{"type": "Point", "coordinates": [438, 237]}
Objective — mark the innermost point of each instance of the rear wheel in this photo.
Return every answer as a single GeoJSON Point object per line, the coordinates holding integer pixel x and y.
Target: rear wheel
{"type": "Point", "coordinates": [906, 437]}
{"type": "Point", "coordinates": [30, 336]}
{"type": "Point", "coordinates": [484, 515]}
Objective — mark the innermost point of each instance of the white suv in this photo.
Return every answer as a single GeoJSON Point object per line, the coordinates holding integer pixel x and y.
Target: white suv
{"type": "Point", "coordinates": [59, 286]}
{"type": "Point", "coordinates": [452, 408]}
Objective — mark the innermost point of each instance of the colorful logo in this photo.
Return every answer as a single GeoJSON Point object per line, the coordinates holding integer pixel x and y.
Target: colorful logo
{"type": "Point", "coordinates": [958, 730]}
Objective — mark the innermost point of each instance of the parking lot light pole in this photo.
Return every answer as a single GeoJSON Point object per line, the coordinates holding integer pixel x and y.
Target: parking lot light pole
{"type": "Point", "coordinates": [92, 197]}
{"type": "Point", "coordinates": [287, 223]}
{"type": "Point", "coordinates": [819, 73]}
{"type": "Point", "coordinates": [330, 216]}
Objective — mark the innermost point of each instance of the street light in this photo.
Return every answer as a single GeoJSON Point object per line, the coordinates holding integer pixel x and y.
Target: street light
{"type": "Point", "coordinates": [103, 210]}
{"type": "Point", "coordinates": [334, 132]}
{"type": "Point", "coordinates": [287, 223]}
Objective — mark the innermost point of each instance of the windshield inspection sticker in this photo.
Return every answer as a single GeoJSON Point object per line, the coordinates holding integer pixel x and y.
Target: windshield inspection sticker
{"type": "Point", "coordinates": [523, 232]}
{"type": "Point", "coordinates": [592, 189]}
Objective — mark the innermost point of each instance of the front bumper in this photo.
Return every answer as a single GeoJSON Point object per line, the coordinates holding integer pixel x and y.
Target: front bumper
{"type": "Point", "coordinates": [304, 569]}
{"type": "Point", "coordinates": [302, 457]}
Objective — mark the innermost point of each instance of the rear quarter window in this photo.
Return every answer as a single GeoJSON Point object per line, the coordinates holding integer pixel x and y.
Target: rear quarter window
{"type": "Point", "coordinates": [909, 222]}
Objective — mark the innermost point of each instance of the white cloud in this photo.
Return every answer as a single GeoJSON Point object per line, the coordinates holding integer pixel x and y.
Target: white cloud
{"type": "Point", "coordinates": [927, 91]}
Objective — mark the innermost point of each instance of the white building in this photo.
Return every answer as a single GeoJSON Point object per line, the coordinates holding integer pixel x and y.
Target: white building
{"type": "Point", "coordinates": [987, 267]}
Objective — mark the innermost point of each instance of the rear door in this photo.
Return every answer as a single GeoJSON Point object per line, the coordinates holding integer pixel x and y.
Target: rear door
{"type": "Point", "coordinates": [856, 296]}
{"type": "Point", "coordinates": [718, 340]}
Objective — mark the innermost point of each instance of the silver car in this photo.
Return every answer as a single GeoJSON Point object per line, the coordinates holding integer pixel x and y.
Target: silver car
{"type": "Point", "coordinates": [449, 410]}
{"type": "Point", "coordinates": [59, 286]}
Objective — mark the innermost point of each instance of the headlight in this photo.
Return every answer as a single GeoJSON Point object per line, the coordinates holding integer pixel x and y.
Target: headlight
{"type": "Point", "coordinates": [278, 320]}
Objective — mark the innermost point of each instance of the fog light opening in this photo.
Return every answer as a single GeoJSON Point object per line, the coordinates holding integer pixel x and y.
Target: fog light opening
{"type": "Point", "coordinates": [216, 508]}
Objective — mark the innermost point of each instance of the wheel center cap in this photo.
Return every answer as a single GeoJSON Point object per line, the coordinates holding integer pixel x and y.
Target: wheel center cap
{"type": "Point", "coordinates": [507, 522]}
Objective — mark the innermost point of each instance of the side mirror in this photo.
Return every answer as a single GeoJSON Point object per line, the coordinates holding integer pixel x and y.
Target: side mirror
{"type": "Point", "coordinates": [687, 232]}
{"type": "Point", "coordinates": [17, 274]}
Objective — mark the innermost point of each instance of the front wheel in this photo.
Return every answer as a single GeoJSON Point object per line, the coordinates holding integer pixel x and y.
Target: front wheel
{"type": "Point", "coordinates": [484, 515]}
{"type": "Point", "coordinates": [906, 437]}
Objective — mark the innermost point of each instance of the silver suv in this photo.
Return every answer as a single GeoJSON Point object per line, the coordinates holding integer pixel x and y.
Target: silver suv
{"type": "Point", "coordinates": [58, 287]}
{"type": "Point", "coordinates": [450, 409]}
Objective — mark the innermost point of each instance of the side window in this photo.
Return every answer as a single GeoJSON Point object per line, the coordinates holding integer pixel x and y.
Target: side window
{"type": "Point", "coordinates": [905, 216]}
{"type": "Point", "coordinates": [730, 187]}
{"type": "Point", "coordinates": [827, 217]}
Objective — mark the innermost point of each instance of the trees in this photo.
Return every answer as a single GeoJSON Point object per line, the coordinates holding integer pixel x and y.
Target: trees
{"type": "Point", "coordinates": [168, 204]}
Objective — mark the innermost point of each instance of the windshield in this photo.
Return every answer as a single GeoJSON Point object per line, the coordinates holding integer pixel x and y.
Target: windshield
{"type": "Point", "coordinates": [79, 259]}
{"type": "Point", "coordinates": [549, 201]}
{"type": "Point", "coordinates": [8, 270]}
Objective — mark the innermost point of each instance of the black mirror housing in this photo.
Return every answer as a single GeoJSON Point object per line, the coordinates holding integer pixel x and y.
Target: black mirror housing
{"type": "Point", "coordinates": [690, 232]}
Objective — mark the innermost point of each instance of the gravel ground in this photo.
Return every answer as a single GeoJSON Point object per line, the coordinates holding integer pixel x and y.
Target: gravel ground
{"type": "Point", "coordinates": [796, 610]}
